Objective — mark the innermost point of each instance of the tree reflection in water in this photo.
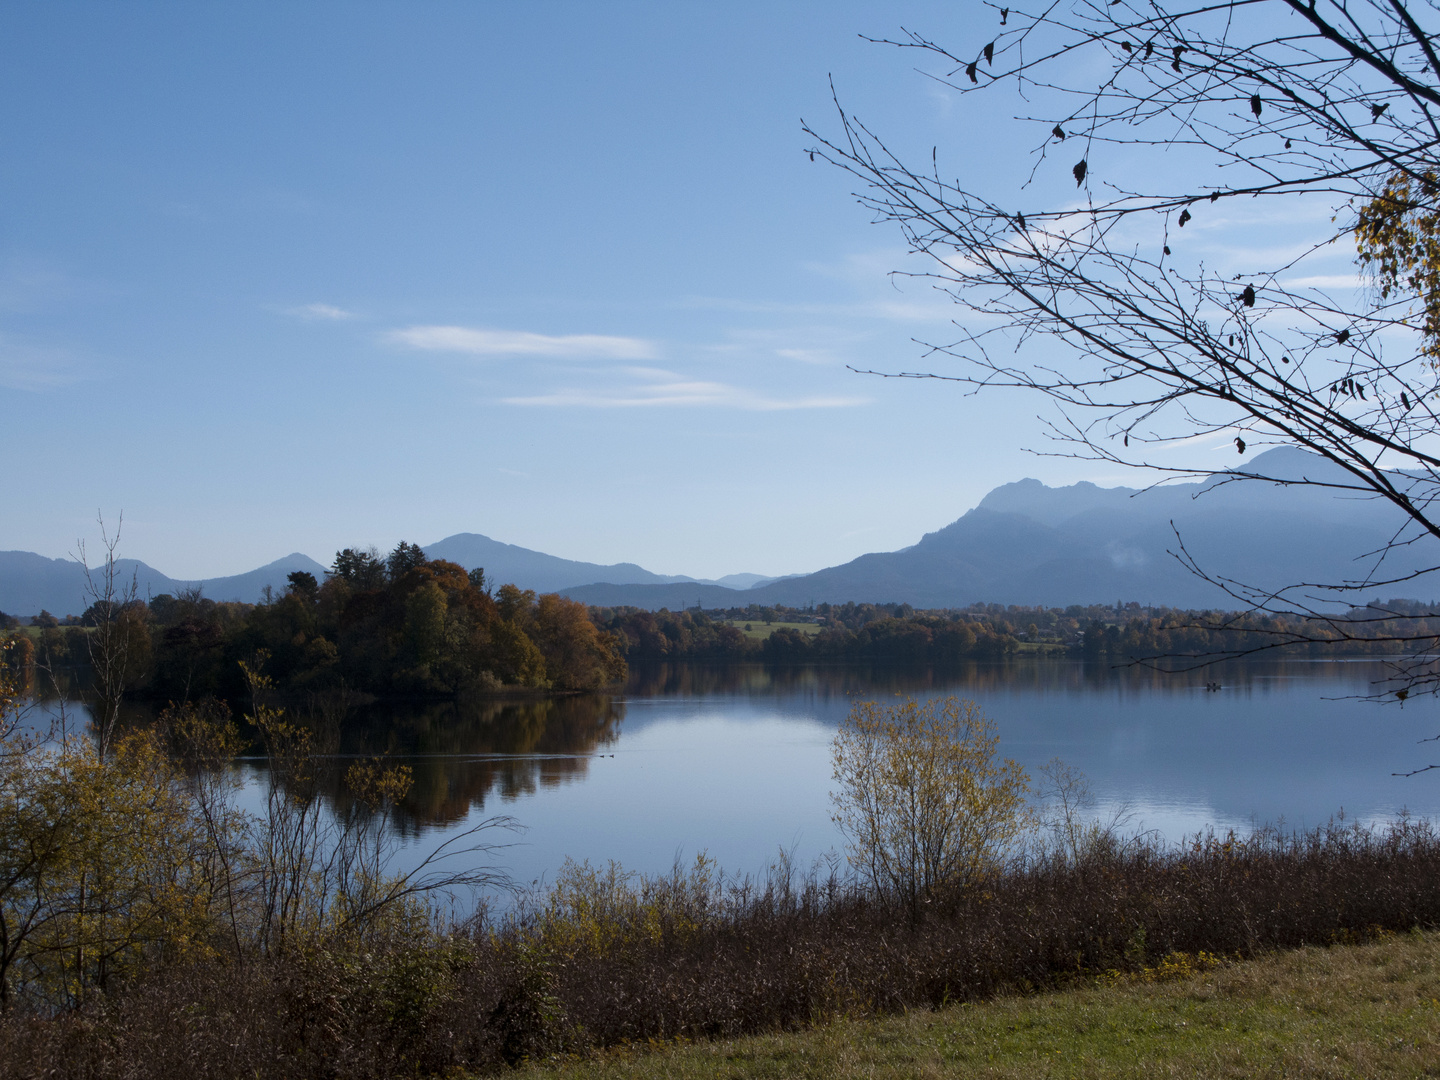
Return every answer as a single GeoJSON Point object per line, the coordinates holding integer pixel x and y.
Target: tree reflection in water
{"type": "Point", "coordinates": [1045, 673]}
{"type": "Point", "coordinates": [467, 756]}
{"type": "Point", "coordinates": [463, 753]}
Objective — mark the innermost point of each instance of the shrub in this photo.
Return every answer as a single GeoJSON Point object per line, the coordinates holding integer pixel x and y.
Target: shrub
{"type": "Point", "coordinates": [922, 801]}
{"type": "Point", "coordinates": [692, 955]}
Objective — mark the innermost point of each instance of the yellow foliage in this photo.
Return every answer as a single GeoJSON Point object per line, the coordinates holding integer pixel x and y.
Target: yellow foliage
{"type": "Point", "coordinates": [601, 912]}
{"type": "Point", "coordinates": [922, 800]}
{"type": "Point", "coordinates": [378, 785]}
{"type": "Point", "coordinates": [105, 866]}
{"type": "Point", "coordinates": [17, 668]}
{"type": "Point", "coordinates": [1171, 968]}
{"type": "Point", "coordinates": [1398, 237]}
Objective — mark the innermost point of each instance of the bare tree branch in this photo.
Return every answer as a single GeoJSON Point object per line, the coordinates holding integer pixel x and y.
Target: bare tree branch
{"type": "Point", "coordinates": [1096, 304]}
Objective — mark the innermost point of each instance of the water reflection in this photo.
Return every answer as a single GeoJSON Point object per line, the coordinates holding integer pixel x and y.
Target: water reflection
{"type": "Point", "coordinates": [734, 759]}
{"type": "Point", "coordinates": [1291, 738]}
{"type": "Point", "coordinates": [1050, 674]}
{"type": "Point", "coordinates": [464, 754]}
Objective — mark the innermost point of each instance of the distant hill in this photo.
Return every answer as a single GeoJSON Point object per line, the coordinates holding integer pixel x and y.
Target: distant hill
{"type": "Point", "coordinates": [739, 581]}
{"type": "Point", "coordinates": [30, 583]}
{"type": "Point", "coordinates": [250, 586]}
{"type": "Point", "coordinates": [534, 569]}
{"type": "Point", "coordinates": [675, 596]}
{"type": "Point", "coordinates": [549, 573]}
{"type": "Point", "coordinates": [1031, 544]}
{"type": "Point", "coordinates": [1024, 544]}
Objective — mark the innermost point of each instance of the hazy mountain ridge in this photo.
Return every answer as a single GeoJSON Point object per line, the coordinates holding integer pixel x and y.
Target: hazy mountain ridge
{"type": "Point", "coordinates": [549, 573]}
{"type": "Point", "coordinates": [1024, 543]}
{"type": "Point", "coordinates": [30, 583]}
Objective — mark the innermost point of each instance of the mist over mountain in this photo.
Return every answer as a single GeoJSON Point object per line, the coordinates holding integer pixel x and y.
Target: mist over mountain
{"type": "Point", "coordinates": [1026, 543]}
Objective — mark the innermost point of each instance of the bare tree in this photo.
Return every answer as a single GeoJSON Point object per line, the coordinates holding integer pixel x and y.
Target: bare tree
{"type": "Point", "coordinates": [318, 869]}
{"type": "Point", "coordinates": [110, 596]}
{"type": "Point", "coordinates": [1096, 303]}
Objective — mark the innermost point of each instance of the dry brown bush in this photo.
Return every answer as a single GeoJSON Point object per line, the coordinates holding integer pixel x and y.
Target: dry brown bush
{"type": "Point", "coordinates": [608, 958]}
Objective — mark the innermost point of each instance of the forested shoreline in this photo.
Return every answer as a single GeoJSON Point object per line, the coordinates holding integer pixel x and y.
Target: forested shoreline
{"type": "Point", "coordinates": [897, 633]}
{"type": "Point", "coordinates": [408, 626]}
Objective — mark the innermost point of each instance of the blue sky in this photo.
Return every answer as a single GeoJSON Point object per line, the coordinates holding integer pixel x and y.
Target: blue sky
{"type": "Point", "coordinates": [280, 277]}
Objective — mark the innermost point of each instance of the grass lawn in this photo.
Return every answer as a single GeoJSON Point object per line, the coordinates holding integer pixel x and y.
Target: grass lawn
{"type": "Point", "coordinates": [1347, 1011]}
{"type": "Point", "coordinates": [759, 631]}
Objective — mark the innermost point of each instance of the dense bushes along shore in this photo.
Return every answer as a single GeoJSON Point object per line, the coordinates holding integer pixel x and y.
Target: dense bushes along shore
{"type": "Point", "coordinates": [604, 959]}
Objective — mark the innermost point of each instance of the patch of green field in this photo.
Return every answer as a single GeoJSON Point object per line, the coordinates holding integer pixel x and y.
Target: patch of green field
{"type": "Point", "coordinates": [1040, 647]}
{"type": "Point", "coordinates": [759, 630]}
{"type": "Point", "coordinates": [1346, 1011]}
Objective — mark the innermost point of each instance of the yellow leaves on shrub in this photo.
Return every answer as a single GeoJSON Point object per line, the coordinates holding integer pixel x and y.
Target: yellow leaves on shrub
{"type": "Point", "coordinates": [921, 798]}
{"type": "Point", "coordinates": [1172, 968]}
{"type": "Point", "coordinates": [377, 784]}
{"type": "Point", "coordinates": [603, 911]}
{"type": "Point", "coordinates": [104, 865]}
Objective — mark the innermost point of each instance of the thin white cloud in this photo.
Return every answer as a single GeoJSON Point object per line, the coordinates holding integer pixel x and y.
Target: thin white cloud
{"type": "Point", "coordinates": [465, 339]}
{"type": "Point", "coordinates": [24, 367]}
{"type": "Point", "coordinates": [877, 288]}
{"type": "Point", "coordinates": [322, 311]}
{"type": "Point", "coordinates": [655, 388]}
{"type": "Point", "coordinates": [944, 100]}
{"type": "Point", "coordinates": [1325, 281]}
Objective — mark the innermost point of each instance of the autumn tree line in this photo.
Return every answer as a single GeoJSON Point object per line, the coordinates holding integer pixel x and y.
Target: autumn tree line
{"type": "Point", "coordinates": [887, 633]}
{"type": "Point", "coordinates": [899, 634]}
{"type": "Point", "coordinates": [408, 626]}
{"type": "Point", "coordinates": [389, 626]}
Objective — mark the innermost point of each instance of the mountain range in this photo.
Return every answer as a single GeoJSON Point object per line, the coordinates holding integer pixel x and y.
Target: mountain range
{"type": "Point", "coordinates": [31, 583]}
{"type": "Point", "coordinates": [549, 573]}
{"type": "Point", "coordinates": [1025, 543]}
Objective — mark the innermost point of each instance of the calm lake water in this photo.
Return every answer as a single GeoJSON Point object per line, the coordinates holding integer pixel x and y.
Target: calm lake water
{"type": "Point", "coordinates": [734, 760]}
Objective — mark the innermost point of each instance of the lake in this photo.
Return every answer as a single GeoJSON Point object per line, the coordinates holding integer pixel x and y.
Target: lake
{"type": "Point", "coordinates": [734, 760]}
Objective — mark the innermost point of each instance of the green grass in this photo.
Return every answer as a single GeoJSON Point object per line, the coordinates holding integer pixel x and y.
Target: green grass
{"type": "Point", "coordinates": [1041, 647]}
{"type": "Point", "coordinates": [759, 630]}
{"type": "Point", "coordinates": [1347, 1011]}
{"type": "Point", "coordinates": [34, 632]}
